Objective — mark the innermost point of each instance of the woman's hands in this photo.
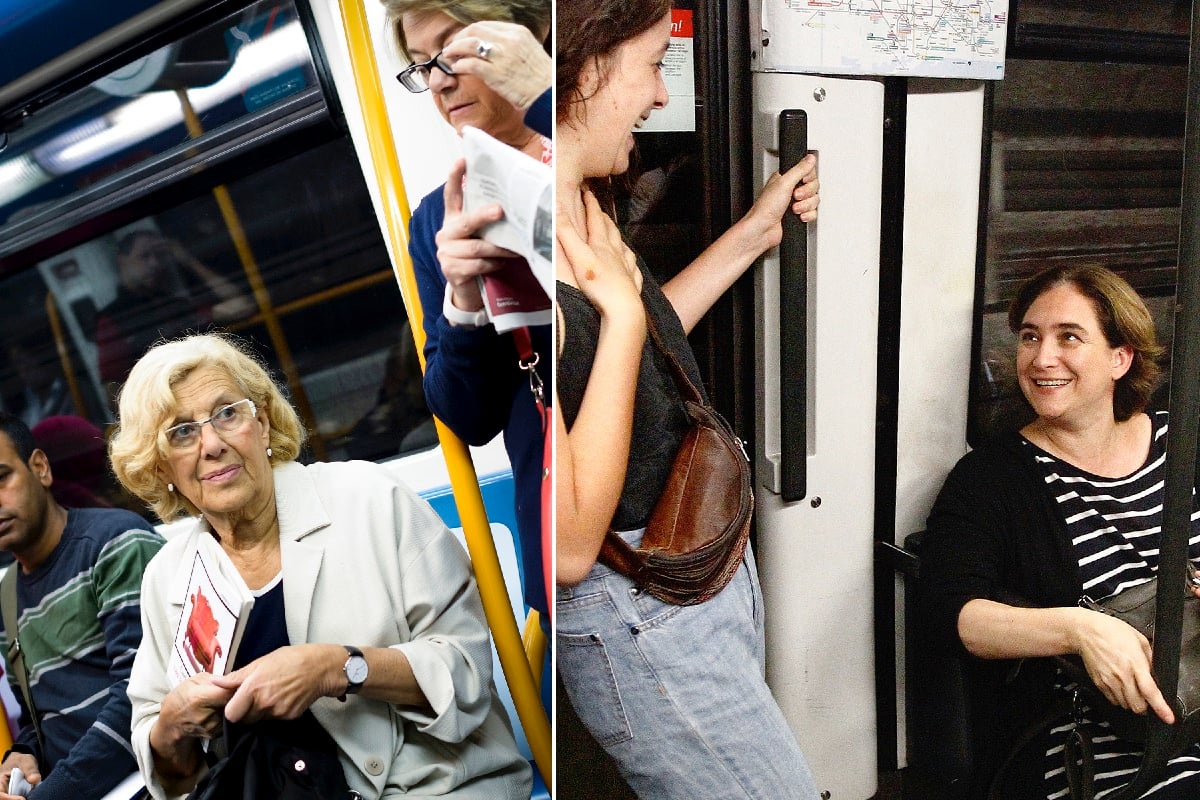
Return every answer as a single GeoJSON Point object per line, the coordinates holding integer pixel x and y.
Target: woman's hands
{"type": "Point", "coordinates": [693, 291]}
{"type": "Point", "coordinates": [1117, 658]}
{"type": "Point", "coordinates": [797, 189]}
{"type": "Point", "coordinates": [192, 710]}
{"type": "Point", "coordinates": [462, 256]}
{"type": "Point", "coordinates": [1115, 655]}
{"type": "Point", "coordinates": [190, 713]}
{"type": "Point", "coordinates": [605, 269]}
{"type": "Point", "coordinates": [283, 683]}
{"type": "Point", "coordinates": [516, 67]}
{"type": "Point", "coordinates": [588, 477]}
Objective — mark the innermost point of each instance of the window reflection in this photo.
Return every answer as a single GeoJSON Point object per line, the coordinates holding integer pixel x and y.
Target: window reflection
{"type": "Point", "coordinates": [1086, 166]}
{"type": "Point", "coordinates": [236, 69]}
{"type": "Point", "coordinates": [287, 254]}
{"type": "Point", "coordinates": [330, 322]}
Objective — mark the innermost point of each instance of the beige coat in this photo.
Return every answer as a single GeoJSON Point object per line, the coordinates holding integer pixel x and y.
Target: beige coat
{"type": "Point", "coordinates": [365, 562]}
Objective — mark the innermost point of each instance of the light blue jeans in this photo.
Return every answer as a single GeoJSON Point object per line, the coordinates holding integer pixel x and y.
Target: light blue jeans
{"type": "Point", "coordinates": [676, 694]}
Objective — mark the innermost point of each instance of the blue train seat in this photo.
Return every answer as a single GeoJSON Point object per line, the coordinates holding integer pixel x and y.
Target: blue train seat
{"type": "Point", "coordinates": [426, 473]}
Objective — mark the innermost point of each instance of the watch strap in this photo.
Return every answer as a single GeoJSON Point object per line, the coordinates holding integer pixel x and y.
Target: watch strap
{"type": "Point", "coordinates": [352, 686]}
{"type": "Point", "coordinates": [456, 316]}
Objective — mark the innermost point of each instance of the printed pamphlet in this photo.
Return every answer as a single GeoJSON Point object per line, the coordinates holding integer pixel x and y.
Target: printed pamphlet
{"type": "Point", "coordinates": [215, 611]}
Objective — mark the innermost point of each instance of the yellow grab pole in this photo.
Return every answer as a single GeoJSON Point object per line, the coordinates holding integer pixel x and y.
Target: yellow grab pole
{"type": "Point", "coordinates": [64, 360]}
{"type": "Point", "coordinates": [463, 480]}
{"type": "Point", "coordinates": [241, 245]}
{"type": "Point", "coordinates": [535, 645]}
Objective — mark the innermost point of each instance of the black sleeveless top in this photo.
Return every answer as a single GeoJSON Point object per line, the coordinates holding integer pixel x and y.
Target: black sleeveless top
{"type": "Point", "coordinates": [659, 422]}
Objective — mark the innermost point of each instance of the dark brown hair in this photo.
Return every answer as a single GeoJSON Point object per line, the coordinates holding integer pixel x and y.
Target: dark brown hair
{"type": "Point", "coordinates": [590, 31]}
{"type": "Point", "coordinates": [1123, 318]}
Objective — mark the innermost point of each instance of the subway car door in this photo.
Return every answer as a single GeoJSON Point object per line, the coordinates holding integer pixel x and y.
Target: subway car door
{"type": "Point", "coordinates": [816, 300]}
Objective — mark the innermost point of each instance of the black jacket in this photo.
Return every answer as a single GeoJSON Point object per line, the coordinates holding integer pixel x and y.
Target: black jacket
{"type": "Point", "coordinates": [995, 533]}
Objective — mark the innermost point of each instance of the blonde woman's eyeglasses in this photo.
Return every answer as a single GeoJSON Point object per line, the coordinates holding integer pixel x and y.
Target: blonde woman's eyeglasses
{"type": "Point", "coordinates": [226, 419]}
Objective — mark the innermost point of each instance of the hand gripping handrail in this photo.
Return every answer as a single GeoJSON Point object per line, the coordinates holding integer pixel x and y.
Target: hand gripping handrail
{"type": "Point", "coordinates": [467, 496]}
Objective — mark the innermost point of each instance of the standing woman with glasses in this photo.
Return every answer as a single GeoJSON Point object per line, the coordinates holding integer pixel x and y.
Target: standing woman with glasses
{"type": "Point", "coordinates": [473, 382]}
{"type": "Point", "coordinates": [366, 623]}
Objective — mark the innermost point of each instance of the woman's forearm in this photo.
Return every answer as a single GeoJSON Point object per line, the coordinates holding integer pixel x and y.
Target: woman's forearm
{"type": "Point", "coordinates": [694, 290]}
{"type": "Point", "coordinates": [592, 458]}
{"type": "Point", "coordinates": [994, 630]}
{"type": "Point", "coordinates": [390, 678]}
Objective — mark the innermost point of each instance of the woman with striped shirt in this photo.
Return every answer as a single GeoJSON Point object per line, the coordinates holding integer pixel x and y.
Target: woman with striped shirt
{"type": "Point", "coordinates": [1069, 506]}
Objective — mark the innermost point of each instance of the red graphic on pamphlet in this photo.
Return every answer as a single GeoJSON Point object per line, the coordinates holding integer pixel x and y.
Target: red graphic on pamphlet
{"type": "Point", "coordinates": [201, 645]}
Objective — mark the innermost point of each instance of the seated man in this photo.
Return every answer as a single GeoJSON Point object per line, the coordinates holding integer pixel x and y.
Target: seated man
{"type": "Point", "coordinates": [78, 583]}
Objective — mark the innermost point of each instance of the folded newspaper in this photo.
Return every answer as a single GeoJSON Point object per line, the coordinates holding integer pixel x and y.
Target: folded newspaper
{"type": "Point", "coordinates": [520, 293]}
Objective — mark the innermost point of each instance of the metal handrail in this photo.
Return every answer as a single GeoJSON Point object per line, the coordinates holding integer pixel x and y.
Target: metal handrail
{"type": "Point", "coordinates": [1173, 564]}
{"type": "Point", "coordinates": [467, 496]}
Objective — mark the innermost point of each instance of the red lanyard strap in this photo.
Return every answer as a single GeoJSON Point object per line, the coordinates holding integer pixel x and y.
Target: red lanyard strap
{"type": "Point", "coordinates": [528, 361]}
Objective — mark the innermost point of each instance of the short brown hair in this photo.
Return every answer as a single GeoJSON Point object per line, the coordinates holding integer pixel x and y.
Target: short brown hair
{"type": "Point", "coordinates": [1123, 318]}
{"type": "Point", "coordinates": [147, 405]}
{"type": "Point", "coordinates": [533, 14]}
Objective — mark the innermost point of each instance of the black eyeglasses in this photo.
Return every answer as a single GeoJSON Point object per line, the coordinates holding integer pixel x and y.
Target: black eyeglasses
{"type": "Point", "coordinates": [415, 77]}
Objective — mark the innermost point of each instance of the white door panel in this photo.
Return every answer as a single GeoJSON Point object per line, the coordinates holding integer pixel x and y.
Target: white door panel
{"type": "Point", "coordinates": [941, 217]}
{"type": "Point", "coordinates": [816, 555]}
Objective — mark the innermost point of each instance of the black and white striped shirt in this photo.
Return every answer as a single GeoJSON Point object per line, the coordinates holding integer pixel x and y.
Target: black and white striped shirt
{"type": "Point", "coordinates": [1114, 525]}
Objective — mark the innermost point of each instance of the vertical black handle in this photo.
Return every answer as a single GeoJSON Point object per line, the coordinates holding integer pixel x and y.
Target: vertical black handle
{"type": "Point", "coordinates": [793, 322]}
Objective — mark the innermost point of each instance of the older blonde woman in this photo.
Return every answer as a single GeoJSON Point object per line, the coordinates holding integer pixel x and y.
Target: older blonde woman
{"type": "Point", "coordinates": [366, 619]}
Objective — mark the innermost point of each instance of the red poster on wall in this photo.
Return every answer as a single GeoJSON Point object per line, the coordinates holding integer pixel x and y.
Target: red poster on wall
{"type": "Point", "coordinates": [679, 73]}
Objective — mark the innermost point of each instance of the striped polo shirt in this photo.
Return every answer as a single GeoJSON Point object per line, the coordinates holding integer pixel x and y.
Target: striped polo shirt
{"type": "Point", "coordinates": [80, 626]}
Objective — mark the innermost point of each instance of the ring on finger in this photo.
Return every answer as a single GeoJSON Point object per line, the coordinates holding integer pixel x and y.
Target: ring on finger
{"type": "Point", "coordinates": [483, 49]}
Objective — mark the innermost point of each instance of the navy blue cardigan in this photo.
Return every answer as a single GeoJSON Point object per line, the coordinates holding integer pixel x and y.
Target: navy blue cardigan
{"type": "Point", "coordinates": [474, 386]}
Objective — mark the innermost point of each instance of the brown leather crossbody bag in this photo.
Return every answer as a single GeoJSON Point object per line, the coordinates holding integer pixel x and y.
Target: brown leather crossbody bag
{"type": "Point", "coordinates": [697, 533]}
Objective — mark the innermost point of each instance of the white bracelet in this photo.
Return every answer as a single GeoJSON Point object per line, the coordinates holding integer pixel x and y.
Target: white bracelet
{"type": "Point", "coordinates": [456, 316]}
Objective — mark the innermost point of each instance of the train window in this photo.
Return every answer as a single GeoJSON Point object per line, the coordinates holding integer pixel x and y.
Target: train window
{"type": "Point", "coordinates": [186, 105]}
{"type": "Point", "coordinates": [1100, 30]}
{"type": "Point", "coordinates": [1086, 163]}
{"type": "Point", "coordinates": [285, 250]}
{"type": "Point", "coordinates": [1157, 17]}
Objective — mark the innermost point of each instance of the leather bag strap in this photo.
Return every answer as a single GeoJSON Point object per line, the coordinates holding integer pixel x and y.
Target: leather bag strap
{"type": "Point", "coordinates": [1058, 708]}
{"type": "Point", "coordinates": [616, 553]}
{"type": "Point", "coordinates": [613, 550]}
{"type": "Point", "coordinates": [686, 388]}
{"type": "Point", "coordinates": [1080, 763]}
{"type": "Point", "coordinates": [16, 656]}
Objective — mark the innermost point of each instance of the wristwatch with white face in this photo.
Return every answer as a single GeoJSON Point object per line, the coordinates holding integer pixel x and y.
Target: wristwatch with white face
{"type": "Point", "coordinates": [456, 316]}
{"type": "Point", "coordinates": [355, 669]}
